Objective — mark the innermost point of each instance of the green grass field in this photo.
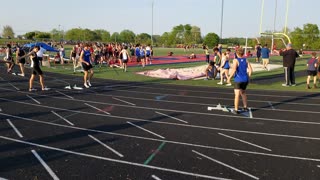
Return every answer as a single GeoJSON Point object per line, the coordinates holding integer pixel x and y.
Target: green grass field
{"type": "Point", "coordinates": [117, 74]}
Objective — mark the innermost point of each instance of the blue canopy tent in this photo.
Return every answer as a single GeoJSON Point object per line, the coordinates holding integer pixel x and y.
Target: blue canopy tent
{"type": "Point", "coordinates": [45, 46]}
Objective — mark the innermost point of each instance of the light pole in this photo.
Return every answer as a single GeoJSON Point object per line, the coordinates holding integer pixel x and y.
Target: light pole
{"type": "Point", "coordinates": [152, 23]}
{"type": "Point", "coordinates": [221, 23]}
{"type": "Point", "coordinates": [286, 23]}
{"type": "Point", "coordinates": [59, 35]}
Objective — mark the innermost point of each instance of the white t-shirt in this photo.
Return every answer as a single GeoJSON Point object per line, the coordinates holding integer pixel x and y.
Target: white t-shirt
{"type": "Point", "coordinates": [41, 52]}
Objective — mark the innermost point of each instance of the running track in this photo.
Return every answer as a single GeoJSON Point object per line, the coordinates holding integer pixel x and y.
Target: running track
{"type": "Point", "coordinates": [127, 130]}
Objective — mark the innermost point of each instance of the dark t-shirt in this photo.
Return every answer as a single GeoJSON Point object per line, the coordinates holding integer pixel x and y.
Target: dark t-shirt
{"type": "Point", "coordinates": [289, 57]}
{"type": "Point", "coordinates": [34, 59]}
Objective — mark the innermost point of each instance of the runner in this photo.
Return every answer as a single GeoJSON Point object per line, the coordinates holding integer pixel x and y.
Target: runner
{"type": "Point", "coordinates": [87, 66]}
{"type": "Point", "coordinates": [73, 55]}
{"type": "Point", "coordinates": [242, 70]}
{"type": "Point", "coordinates": [125, 57]}
{"type": "Point", "coordinates": [224, 68]}
{"type": "Point", "coordinates": [143, 56]}
{"type": "Point", "coordinates": [148, 54]}
{"type": "Point", "coordinates": [35, 64]}
{"type": "Point", "coordinates": [22, 61]}
{"type": "Point", "coordinates": [312, 65]}
{"type": "Point", "coordinates": [258, 52]}
{"type": "Point", "coordinates": [9, 59]}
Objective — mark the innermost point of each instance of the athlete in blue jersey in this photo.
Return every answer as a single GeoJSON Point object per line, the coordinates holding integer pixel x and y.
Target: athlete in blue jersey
{"type": "Point", "coordinates": [137, 53]}
{"type": "Point", "coordinates": [241, 70]}
{"type": "Point", "coordinates": [85, 57]}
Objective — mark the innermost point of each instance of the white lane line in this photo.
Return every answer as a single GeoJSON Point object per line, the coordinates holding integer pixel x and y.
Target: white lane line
{"type": "Point", "coordinates": [271, 105]}
{"type": "Point", "coordinates": [115, 160]}
{"type": "Point", "coordinates": [155, 177]}
{"type": "Point", "coordinates": [33, 99]}
{"type": "Point", "coordinates": [250, 113]}
{"type": "Point", "coordinates": [159, 122]}
{"type": "Point", "coordinates": [62, 118]}
{"type": "Point", "coordinates": [201, 91]}
{"type": "Point", "coordinates": [246, 142]}
{"type": "Point", "coordinates": [44, 164]}
{"type": "Point", "coordinates": [14, 87]}
{"type": "Point", "coordinates": [146, 130]}
{"type": "Point", "coordinates": [97, 108]}
{"type": "Point", "coordinates": [166, 141]}
{"type": "Point", "coordinates": [3, 178]}
{"type": "Point", "coordinates": [226, 165]}
{"type": "Point", "coordinates": [65, 94]}
{"type": "Point", "coordinates": [123, 101]}
{"type": "Point", "coordinates": [14, 128]}
{"type": "Point", "coordinates": [106, 146]}
{"type": "Point", "coordinates": [172, 117]}
{"type": "Point", "coordinates": [318, 166]}
{"type": "Point", "coordinates": [159, 109]}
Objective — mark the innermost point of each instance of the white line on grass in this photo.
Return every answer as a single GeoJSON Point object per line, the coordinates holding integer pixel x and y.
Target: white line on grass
{"type": "Point", "coordinates": [14, 128]}
{"type": "Point", "coordinates": [14, 86]}
{"type": "Point", "coordinates": [146, 130]}
{"type": "Point", "coordinates": [123, 101]}
{"type": "Point", "coordinates": [271, 105]}
{"type": "Point", "coordinates": [106, 146]}
{"type": "Point", "coordinates": [115, 160]}
{"type": "Point", "coordinates": [44, 164]}
{"type": "Point", "coordinates": [226, 165]}
{"type": "Point", "coordinates": [65, 94]}
{"type": "Point", "coordinates": [155, 177]}
{"type": "Point", "coordinates": [97, 108]}
{"type": "Point", "coordinates": [33, 99]}
{"type": "Point", "coordinates": [246, 142]}
{"type": "Point", "coordinates": [62, 118]}
{"type": "Point", "coordinates": [171, 117]}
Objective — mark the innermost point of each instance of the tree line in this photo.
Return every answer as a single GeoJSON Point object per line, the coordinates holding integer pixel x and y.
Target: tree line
{"type": "Point", "coordinates": [306, 37]}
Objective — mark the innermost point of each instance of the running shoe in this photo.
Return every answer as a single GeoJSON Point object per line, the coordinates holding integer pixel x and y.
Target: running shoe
{"type": "Point", "coordinates": [245, 109]}
{"type": "Point", "coordinates": [86, 85]}
{"type": "Point", "coordinates": [229, 84]}
{"type": "Point", "coordinates": [220, 83]}
{"type": "Point", "coordinates": [32, 89]}
{"type": "Point", "coordinates": [22, 75]}
{"type": "Point", "coordinates": [89, 84]}
{"type": "Point", "coordinates": [45, 89]}
{"type": "Point", "coordinates": [235, 112]}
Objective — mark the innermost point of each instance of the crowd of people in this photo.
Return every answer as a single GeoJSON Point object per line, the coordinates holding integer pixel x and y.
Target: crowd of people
{"type": "Point", "coordinates": [86, 56]}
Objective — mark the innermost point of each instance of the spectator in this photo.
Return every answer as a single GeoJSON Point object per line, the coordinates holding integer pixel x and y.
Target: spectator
{"type": "Point", "coordinates": [265, 53]}
{"type": "Point", "coordinates": [312, 65]}
{"type": "Point", "coordinates": [289, 60]}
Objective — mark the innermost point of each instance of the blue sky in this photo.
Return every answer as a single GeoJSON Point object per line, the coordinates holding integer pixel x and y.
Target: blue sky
{"type": "Point", "coordinates": [241, 17]}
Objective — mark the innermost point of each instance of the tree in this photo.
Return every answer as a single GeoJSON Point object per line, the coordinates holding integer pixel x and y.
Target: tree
{"type": "Point", "coordinates": [196, 34]}
{"type": "Point", "coordinates": [211, 39]}
{"type": "Point", "coordinates": [115, 37]}
{"type": "Point", "coordinates": [43, 35]}
{"type": "Point", "coordinates": [308, 36]}
{"type": "Point", "coordinates": [164, 40]}
{"type": "Point", "coordinates": [143, 38]}
{"type": "Point", "coordinates": [57, 34]}
{"type": "Point", "coordinates": [103, 34]}
{"type": "Point", "coordinates": [74, 34]}
{"type": "Point", "coordinates": [7, 32]}
{"type": "Point", "coordinates": [127, 36]}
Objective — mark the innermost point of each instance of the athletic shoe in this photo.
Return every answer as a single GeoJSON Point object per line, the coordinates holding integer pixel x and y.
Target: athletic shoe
{"type": "Point", "coordinates": [14, 73]}
{"type": "Point", "coordinates": [220, 83]}
{"type": "Point", "coordinates": [45, 89]}
{"type": "Point", "coordinates": [86, 85]}
{"type": "Point", "coordinates": [293, 84]}
{"type": "Point", "coordinates": [229, 84]}
{"type": "Point", "coordinates": [285, 85]}
{"type": "Point", "coordinates": [21, 75]}
{"type": "Point", "coordinates": [245, 109]}
{"type": "Point", "coordinates": [235, 112]}
{"type": "Point", "coordinates": [89, 84]}
{"type": "Point", "coordinates": [68, 87]}
{"type": "Point", "coordinates": [32, 89]}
